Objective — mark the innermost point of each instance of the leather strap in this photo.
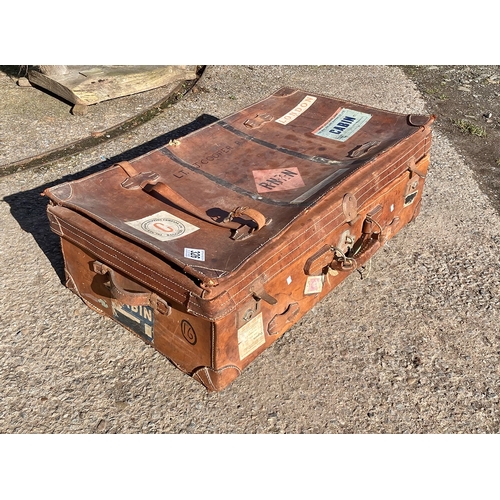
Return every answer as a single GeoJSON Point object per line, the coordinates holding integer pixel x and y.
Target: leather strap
{"type": "Point", "coordinates": [412, 167]}
{"type": "Point", "coordinates": [119, 293]}
{"type": "Point", "coordinates": [255, 215]}
{"type": "Point", "coordinates": [148, 182]}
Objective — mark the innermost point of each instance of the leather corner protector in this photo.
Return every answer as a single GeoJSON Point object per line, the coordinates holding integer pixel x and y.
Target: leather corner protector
{"type": "Point", "coordinates": [216, 380]}
{"type": "Point", "coordinates": [212, 309]}
{"type": "Point", "coordinates": [62, 192]}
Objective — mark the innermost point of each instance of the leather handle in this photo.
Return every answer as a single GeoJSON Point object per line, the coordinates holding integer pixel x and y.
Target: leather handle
{"type": "Point", "coordinates": [319, 260]}
{"type": "Point", "coordinates": [342, 262]}
{"type": "Point", "coordinates": [118, 292]}
{"type": "Point", "coordinates": [149, 182]}
{"type": "Point", "coordinates": [364, 248]}
{"type": "Point", "coordinates": [255, 215]}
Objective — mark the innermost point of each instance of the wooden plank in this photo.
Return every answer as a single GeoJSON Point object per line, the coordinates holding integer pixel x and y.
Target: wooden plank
{"type": "Point", "coordinates": [86, 85]}
{"type": "Point", "coordinates": [109, 82]}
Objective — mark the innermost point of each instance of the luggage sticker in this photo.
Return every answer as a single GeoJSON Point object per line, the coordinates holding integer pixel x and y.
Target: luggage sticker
{"type": "Point", "coordinates": [314, 284]}
{"type": "Point", "coordinates": [251, 336]}
{"type": "Point", "coordinates": [343, 124]}
{"type": "Point", "coordinates": [139, 319]}
{"type": "Point", "coordinates": [163, 226]}
{"type": "Point", "coordinates": [306, 103]}
{"type": "Point", "coordinates": [277, 179]}
{"type": "Point", "coordinates": [195, 254]}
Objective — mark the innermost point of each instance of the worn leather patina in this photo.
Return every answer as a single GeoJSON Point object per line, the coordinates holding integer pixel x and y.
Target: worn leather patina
{"type": "Point", "coordinates": [211, 247]}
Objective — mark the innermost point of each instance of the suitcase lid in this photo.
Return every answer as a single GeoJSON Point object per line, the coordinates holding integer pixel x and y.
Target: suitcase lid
{"type": "Point", "coordinates": [213, 199]}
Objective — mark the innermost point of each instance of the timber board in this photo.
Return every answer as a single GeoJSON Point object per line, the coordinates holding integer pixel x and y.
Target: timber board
{"type": "Point", "coordinates": [86, 85]}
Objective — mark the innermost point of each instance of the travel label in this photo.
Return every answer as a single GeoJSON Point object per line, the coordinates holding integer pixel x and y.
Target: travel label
{"type": "Point", "coordinates": [251, 336]}
{"type": "Point", "coordinates": [343, 125]}
{"type": "Point", "coordinates": [277, 179]}
{"type": "Point", "coordinates": [163, 226]}
{"type": "Point", "coordinates": [306, 103]}
{"type": "Point", "coordinates": [139, 319]}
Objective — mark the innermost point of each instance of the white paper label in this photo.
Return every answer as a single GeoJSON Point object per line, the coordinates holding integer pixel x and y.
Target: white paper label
{"type": "Point", "coordinates": [344, 124]}
{"type": "Point", "coordinates": [306, 103]}
{"type": "Point", "coordinates": [194, 253]}
{"type": "Point", "coordinates": [163, 226]}
{"type": "Point", "coordinates": [251, 336]}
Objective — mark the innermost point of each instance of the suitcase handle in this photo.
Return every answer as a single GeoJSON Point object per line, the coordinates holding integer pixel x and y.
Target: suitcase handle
{"type": "Point", "coordinates": [364, 248]}
{"type": "Point", "coordinates": [119, 293]}
{"type": "Point", "coordinates": [130, 298]}
{"type": "Point", "coordinates": [343, 262]}
{"type": "Point", "coordinates": [148, 182]}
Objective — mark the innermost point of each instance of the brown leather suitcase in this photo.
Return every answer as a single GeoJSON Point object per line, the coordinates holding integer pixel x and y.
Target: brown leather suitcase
{"type": "Point", "coordinates": [211, 247]}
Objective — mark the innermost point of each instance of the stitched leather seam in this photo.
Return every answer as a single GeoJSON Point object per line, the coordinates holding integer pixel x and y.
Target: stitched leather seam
{"type": "Point", "coordinates": [297, 257]}
{"type": "Point", "coordinates": [328, 214]}
{"type": "Point", "coordinates": [134, 261]}
{"type": "Point", "coordinates": [111, 225]}
{"type": "Point", "coordinates": [194, 306]}
{"type": "Point", "coordinates": [78, 181]}
{"type": "Point", "coordinates": [193, 266]}
{"type": "Point", "coordinates": [212, 341]}
{"type": "Point", "coordinates": [209, 379]}
{"type": "Point", "coordinates": [227, 367]}
{"type": "Point", "coordinates": [58, 224]}
{"type": "Point", "coordinates": [215, 317]}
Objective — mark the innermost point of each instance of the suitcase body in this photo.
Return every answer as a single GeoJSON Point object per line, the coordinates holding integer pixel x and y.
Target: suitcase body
{"type": "Point", "coordinates": [213, 246]}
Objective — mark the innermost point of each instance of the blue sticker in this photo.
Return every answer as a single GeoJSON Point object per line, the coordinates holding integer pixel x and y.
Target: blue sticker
{"type": "Point", "coordinates": [139, 319]}
{"type": "Point", "coordinates": [343, 125]}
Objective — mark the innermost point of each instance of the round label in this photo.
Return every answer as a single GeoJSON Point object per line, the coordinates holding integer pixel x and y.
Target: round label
{"type": "Point", "coordinates": [169, 228]}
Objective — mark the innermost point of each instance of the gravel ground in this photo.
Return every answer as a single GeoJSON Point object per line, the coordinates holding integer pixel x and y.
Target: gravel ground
{"type": "Point", "coordinates": [466, 99]}
{"type": "Point", "coordinates": [34, 123]}
{"type": "Point", "coordinates": [412, 349]}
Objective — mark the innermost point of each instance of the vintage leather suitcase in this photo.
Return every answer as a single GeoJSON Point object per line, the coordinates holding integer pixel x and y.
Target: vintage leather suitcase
{"type": "Point", "coordinates": [211, 247]}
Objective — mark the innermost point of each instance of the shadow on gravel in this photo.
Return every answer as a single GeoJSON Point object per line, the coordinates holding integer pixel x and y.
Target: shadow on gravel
{"type": "Point", "coordinates": [29, 207]}
{"type": "Point", "coordinates": [14, 72]}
